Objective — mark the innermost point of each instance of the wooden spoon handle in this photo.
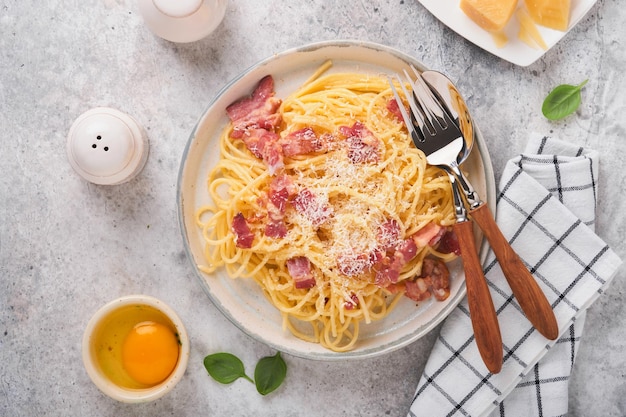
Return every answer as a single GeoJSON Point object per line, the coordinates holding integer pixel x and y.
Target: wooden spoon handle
{"type": "Point", "coordinates": [526, 290]}
{"type": "Point", "coordinates": [482, 311]}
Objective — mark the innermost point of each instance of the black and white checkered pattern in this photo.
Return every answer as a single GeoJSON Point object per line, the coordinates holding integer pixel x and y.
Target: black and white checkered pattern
{"type": "Point", "coordinates": [546, 208]}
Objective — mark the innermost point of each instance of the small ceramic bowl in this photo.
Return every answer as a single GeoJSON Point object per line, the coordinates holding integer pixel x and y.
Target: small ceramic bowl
{"type": "Point", "coordinates": [102, 347]}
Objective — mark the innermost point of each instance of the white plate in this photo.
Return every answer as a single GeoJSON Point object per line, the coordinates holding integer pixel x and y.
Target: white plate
{"type": "Point", "coordinates": [516, 51]}
{"type": "Point", "coordinates": [241, 300]}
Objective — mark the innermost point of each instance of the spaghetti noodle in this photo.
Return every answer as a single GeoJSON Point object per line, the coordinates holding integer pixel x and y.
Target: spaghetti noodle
{"type": "Point", "coordinates": [336, 229]}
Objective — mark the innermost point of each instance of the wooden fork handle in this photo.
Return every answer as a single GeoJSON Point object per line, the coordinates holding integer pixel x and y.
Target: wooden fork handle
{"type": "Point", "coordinates": [482, 312]}
{"type": "Point", "coordinates": [526, 290]}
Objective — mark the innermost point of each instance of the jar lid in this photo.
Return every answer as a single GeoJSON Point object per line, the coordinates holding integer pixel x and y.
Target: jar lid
{"type": "Point", "coordinates": [182, 20]}
{"type": "Point", "coordinates": [178, 8]}
{"type": "Point", "coordinates": [106, 146]}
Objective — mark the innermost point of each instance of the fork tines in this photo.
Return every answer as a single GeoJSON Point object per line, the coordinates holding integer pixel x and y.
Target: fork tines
{"type": "Point", "coordinates": [426, 110]}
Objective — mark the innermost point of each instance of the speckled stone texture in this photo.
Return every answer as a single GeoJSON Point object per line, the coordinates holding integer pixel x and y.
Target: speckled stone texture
{"type": "Point", "coordinates": [67, 246]}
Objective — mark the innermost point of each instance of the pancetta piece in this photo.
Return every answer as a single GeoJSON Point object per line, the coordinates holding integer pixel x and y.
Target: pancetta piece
{"type": "Point", "coordinates": [255, 119]}
{"type": "Point", "coordinates": [275, 226]}
{"type": "Point", "coordinates": [301, 142]}
{"type": "Point", "coordinates": [352, 302]}
{"type": "Point", "coordinates": [300, 270]}
{"type": "Point", "coordinates": [243, 235]}
{"type": "Point", "coordinates": [264, 145]}
{"type": "Point", "coordinates": [417, 290]}
{"type": "Point", "coordinates": [259, 110]}
{"type": "Point", "coordinates": [363, 146]}
{"type": "Point", "coordinates": [282, 189]}
{"type": "Point", "coordinates": [394, 108]}
{"type": "Point", "coordinates": [280, 193]}
{"type": "Point", "coordinates": [388, 270]}
{"type": "Point", "coordinates": [428, 235]}
{"type": "Point", "coordinates": [438, 274]}
{"type": "Point", "coordinates": [433, 280]}
{"type": "Point", "coordinates": [449, 243]}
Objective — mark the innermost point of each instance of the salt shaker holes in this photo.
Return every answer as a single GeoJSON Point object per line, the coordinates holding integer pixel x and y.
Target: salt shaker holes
{"type": "Point", "coordinates": [106, 148]}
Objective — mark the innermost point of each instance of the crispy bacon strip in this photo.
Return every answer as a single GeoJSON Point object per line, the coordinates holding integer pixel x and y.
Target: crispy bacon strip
{"type": "Point", "coordinates": [301, 142]}
{"type": "Point", "coordinates": [394, 108]}
{"type": "Point", "coordinates": [439, 275]}
{"type": "Point", "coordinates": [243, 236]}
{"type": "Point", "coordinates": [363, 146]}
{"type": "Point", "coordinates": [428, 235]}
{"type": "Point", "coordinates": [434, 279]}
{"type": "Point", "coordinates": [280, 193]}
{"type": "Point", "coordinates": [418, 290]}
{"type": "Point", "coordinates": [255, 119]}
{"type": "Point", "coordinates": [276, 226]}
{"type": "Point", "coordinates": [395, 253]}
{"type": "Point", "coordinates": [389, 268]}
{"type": "Point", "coordinates": [264, 145]}
{"type": "Point", "coordinates": [449, 243]}
{"type": "Point", "coordinates": [259, 110]}
{"type": "Point", "coordinates": [282, 189]}
{"type": "Point", "coordinates": [300, 270]}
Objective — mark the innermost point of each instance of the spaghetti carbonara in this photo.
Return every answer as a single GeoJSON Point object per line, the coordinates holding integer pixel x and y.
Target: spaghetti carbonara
{"type": "Point", "coordinates": [324, 201]}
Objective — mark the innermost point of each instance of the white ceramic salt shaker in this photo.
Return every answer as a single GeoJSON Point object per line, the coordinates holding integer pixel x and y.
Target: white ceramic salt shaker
{"type": "Point", "coordinates": [106, 146]}
{"type": "Point", "coordinates": [182, 20]}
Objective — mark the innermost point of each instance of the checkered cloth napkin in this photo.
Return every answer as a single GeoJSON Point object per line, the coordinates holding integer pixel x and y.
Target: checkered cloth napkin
{"type": "Point", "coordinates": [546, 208]}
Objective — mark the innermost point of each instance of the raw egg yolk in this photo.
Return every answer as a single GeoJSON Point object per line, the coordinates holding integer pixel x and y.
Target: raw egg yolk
{"type": "Point", "coordinates": [150, 352]}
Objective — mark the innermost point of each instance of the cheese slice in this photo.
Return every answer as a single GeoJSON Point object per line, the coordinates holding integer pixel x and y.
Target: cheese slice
{"type": "Point", "coordinates": [491, 15]}
{"type": "Point", "coordinates": [553, 14]}
{"type": "Point", "coordinates": [525, 37]}
{"type": "Point", "coordinates": [500, 39]}
{"type": "Point", "coordinates": [528, 31]}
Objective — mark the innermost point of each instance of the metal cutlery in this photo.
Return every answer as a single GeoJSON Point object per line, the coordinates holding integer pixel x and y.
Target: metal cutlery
{"type": "Point", "coordinates": [531, 299]}
{"type": "Point", "coordinates": [436, 104]}
{"type": "Point", "coordinates": [436, 134]}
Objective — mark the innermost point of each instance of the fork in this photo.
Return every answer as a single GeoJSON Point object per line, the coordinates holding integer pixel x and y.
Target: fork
{"type": "Point", "coordinates": [436, 134]}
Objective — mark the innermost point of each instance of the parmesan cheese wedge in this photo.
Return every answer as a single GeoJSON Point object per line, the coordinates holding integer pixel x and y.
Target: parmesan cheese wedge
{"type": "Point", "coordinates": [553, 14]}
{"type": "Point", "coordinates": [491, 15]}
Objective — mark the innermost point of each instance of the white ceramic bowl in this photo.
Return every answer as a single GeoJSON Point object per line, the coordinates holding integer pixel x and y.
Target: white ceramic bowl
{"type": "Point", "coordinates": [103, 382]}
{"type": "Point", "coordinates": [241, 300]}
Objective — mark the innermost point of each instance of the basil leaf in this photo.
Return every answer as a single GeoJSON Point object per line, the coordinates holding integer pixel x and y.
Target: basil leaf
{"type": "Point", "coordinates": [225, 367]}
{"type": "Point", "coordinates": [562, 101]}
{"type": "Point", "coordinates": [269, 373]}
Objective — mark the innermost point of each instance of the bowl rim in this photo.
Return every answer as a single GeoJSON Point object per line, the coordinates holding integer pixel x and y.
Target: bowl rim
{"type": "Point", "coordinates": [129, 395]}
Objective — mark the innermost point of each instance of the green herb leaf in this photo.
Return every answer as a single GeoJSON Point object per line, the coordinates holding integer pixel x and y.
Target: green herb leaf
{"type": "Point", "coordinates": [562, 101]}
{"type": "Point", "coordinates": [269, 373]}
{"type": "Point", "coordinates": [225, 368]}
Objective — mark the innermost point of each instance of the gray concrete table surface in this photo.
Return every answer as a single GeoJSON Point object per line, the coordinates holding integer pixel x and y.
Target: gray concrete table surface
{"type": "Point", "coordinates": [68, 246]}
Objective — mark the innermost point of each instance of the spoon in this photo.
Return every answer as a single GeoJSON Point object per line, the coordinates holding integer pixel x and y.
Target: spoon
{"type": "Point", "coordinates": [525, 289]}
